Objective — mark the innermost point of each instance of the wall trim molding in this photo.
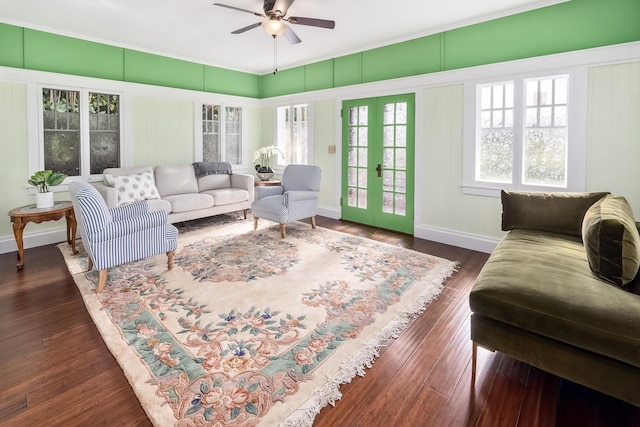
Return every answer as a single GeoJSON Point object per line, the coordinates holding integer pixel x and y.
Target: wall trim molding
{"type": "Point", "coordinates": [435, 234]}
{"type": "Point", "coordinates": [456, 238]}
{"type": "Point", "coordinates": [33, 240]}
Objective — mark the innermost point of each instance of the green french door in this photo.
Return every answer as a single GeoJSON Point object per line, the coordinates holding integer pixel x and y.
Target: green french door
{"type": "Point", "coordinates": [378, 145]}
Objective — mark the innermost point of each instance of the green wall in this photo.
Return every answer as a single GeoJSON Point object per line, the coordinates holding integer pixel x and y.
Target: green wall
{"type": "Point", "coordinates": [573, 25]}
{"type": "Point", "coordinates": [37, 50]}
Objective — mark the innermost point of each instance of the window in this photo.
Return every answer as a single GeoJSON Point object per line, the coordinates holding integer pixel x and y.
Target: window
{"type": "Point", "coordinates": [80, 131]}
{"type": "Point", "coordinates": [522, 136]}
{"type": "Point", "coordinates": [293, 133]}
{"type": "Point", "coordinates": [220, 146]}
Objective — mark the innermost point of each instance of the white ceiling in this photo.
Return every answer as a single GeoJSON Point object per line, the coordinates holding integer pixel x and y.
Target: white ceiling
{"type": "Point", "coordinates": [195, 30]}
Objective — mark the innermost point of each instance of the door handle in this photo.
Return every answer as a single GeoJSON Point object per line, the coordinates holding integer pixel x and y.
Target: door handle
{"type": "Point", "coordinates": [379, 170]}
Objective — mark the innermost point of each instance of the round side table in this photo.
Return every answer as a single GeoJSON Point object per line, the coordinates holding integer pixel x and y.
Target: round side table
{"type": "Point", "coordinates": [30, 213]}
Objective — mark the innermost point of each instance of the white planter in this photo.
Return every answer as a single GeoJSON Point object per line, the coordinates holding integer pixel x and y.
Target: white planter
{"type": "Point", "coordinates": [44, 200]}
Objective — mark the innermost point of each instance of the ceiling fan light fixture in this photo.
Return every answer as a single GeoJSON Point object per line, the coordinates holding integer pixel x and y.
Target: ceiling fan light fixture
{"type": "Point", "coordinates": [274, 27]}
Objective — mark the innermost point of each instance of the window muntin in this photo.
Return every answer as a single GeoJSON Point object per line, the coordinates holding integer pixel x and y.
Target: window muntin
{"type": "Point", "coordinates": [220, 146]}
{"type": "Point", "coordinates": [522, 133]}
{"type": "Point", "coordinates": [81, 131]}
{"type": "Point", "coordinates": [293, 133]}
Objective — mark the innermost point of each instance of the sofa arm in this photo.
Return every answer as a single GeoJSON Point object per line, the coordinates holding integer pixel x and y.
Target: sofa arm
{"type": "Point", "coordinates": [245, 182]}
{"type": "Point", "coordinates": [109, 194]}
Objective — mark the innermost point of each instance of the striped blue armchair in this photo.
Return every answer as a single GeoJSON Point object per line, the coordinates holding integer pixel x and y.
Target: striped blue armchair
{"type": "Point", "coordinates": [296, 198]}
{"type": "Point", "coordinates": [119, 235]}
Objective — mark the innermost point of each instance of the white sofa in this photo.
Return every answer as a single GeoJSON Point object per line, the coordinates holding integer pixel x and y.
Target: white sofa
{"type": "Point", "coordinates": [180, 193]}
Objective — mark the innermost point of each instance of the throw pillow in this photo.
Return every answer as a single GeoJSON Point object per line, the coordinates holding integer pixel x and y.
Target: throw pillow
{"type": "Point", "coordinates": [611, 240]}
{"type": "Point", "coordinates": [553, 212]}
{"type": "Point", "coordinates": [132, 188]}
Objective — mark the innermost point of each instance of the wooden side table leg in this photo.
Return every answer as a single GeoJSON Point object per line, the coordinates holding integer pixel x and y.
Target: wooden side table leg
{"type": "Point", "coordinates": [18, 229]}
{"type": "Point", "coordinates": [72, 225]}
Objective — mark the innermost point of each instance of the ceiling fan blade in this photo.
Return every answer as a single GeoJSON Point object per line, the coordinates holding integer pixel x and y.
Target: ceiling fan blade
{"type": "Point", "coordinates": [314, 22]}
{"type": "Point", "coordinates": [291, 36]}
{"type": "Point", "coordinates": [241, 10]}
{"type": "Point", "coordinates": [247, 28]}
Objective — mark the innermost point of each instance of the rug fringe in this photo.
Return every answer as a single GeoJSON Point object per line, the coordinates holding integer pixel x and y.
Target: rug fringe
{"type": "Point", "coordinates": [330, 393]}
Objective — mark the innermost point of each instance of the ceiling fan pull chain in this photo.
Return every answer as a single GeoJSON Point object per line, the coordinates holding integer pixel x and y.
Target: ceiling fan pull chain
{"type": "Point", "coordinates": [275, 55]}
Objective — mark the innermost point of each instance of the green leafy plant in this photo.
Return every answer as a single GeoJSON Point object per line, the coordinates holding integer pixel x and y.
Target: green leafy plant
{"type": "Point", "coordinates": [43, 180]}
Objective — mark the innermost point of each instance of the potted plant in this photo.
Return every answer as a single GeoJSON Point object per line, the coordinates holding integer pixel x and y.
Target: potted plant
{"type": "Point", "coordinates": [43, 181]}
{"type": "Point", "coordinates": [263, 156]}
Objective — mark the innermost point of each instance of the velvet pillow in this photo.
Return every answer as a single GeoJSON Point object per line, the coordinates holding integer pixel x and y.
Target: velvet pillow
{"type": "Point", "coordinates": [611, 240]}
{"type": "Point", "coordinates": [132, 188]}
{"type": "Point", "coordinates": [554, 212]}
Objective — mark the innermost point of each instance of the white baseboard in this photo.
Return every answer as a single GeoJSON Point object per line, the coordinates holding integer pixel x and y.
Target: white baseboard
{"type": "Point", "coordinates": [33, 240]}
{"type": "Point", "coordinates": [329, 212]}
{"type": "Point", "coordinates": [448, 237]}
{"type": "Point", "coordinates": [456, 238]}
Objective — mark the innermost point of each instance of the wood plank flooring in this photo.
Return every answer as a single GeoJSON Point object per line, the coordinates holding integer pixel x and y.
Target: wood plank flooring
{"type": "Point", "coordinates": [55, 370]}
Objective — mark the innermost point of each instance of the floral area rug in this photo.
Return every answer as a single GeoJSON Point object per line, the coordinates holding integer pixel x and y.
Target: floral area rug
{"type": "Point", "coordinates": [249, 328]}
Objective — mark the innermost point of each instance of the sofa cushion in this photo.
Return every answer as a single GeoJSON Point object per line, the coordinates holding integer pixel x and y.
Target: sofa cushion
{"type": "Point", "coordinates": [214, 182]}
{"type": "Point", "coordinates": [133, 188]}
{"type": "Point", "coordinates": [189, 202]}
{"type": "Point", "coordinates": [180, 179]}
{"type": "Point", "coordinates": [225, 196]}
{"type": "Point", "coordinates": [555, 212]}
{"type": "Point", "coordinates": [611, 240]}
{"type": "Point", "coordinates": [541, 282]}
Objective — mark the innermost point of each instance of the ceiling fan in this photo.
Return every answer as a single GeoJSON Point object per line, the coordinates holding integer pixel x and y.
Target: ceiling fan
{"type": "Point", "coordinates": [275, 11]}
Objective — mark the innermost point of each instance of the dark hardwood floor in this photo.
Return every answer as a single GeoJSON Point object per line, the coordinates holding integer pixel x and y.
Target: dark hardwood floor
{"type": "Point", "coordinates": [55, 369]}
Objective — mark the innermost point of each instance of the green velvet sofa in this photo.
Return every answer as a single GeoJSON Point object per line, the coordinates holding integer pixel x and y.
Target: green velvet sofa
{"type": "Point", "coordinates": [567, 307]}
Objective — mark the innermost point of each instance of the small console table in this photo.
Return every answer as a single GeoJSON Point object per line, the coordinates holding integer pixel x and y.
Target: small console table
{"type": "Point", "coordinates": [30, 213]}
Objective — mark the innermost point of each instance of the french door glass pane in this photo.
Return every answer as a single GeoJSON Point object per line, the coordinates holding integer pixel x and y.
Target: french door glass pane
{"type": "Point", "coordinates": [358, 157]}
{"type": "Point", "coordinates": [387, 202]}
{"type": "Point", "coordinates": [394, 158]}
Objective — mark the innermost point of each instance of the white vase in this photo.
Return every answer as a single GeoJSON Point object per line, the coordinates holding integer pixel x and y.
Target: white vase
{"type": "Point", "coordinates": [44, 200]}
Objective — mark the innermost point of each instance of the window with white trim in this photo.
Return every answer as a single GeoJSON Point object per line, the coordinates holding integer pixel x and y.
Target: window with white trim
{"type": "Point", "coordinates": [217, 145]}
{"type": "Point", "coordinates": [80, 131]}
{"type": "Point", "coordinates": [293, 133]}
{"type": "Point", "coordinates": [526, 134]}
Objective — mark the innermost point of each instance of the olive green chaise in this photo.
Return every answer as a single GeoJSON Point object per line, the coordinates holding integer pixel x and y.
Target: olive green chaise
{"type": "Point", "coordinates": [568, 308]}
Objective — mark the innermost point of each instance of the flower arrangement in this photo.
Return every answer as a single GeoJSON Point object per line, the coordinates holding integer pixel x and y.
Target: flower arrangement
{"type": "Point", "coordinates": [262, 158]}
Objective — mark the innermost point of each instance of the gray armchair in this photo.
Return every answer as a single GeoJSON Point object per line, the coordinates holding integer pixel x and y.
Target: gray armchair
{"type": "Point", "coordinates": [119, 235]}
{"type": "Point", "coordinates": [296, 198]}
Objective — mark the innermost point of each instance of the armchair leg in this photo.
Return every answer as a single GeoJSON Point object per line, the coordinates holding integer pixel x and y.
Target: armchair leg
{"type": "Point", "coordinates": [102, 279]}
{"type": "Point", "coordinates": [282, 227]}
{"type": "Point", "coordinates": [170, 256]}
{"type": "Point", "coordinates": [255, 222]}
{"type": "Point", "coordinates": [313, 222]}
{"type": "Point", "coordinates": [245, 213]}
{"type": "Point", "coordinates": [90, 266]}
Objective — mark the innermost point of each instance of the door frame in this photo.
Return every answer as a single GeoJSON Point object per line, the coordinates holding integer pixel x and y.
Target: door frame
{"type": "Point", "coordinates": [373, 214]}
